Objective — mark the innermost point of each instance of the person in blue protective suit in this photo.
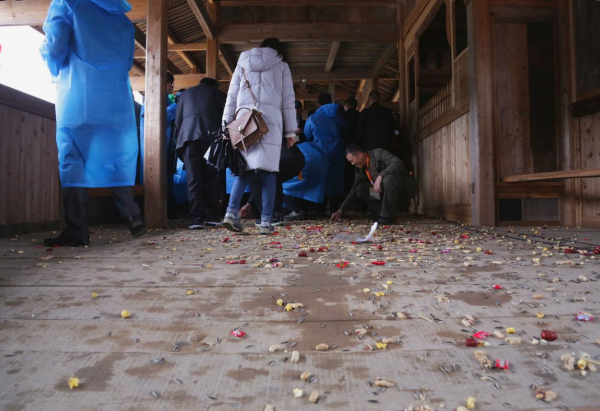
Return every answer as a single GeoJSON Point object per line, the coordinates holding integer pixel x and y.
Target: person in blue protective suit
{"type": "Point", "coordinates": [89, 50]}
{"type": "Point", "coordinates": [323, 172]}
{"type": "Point", "coordinates": [176, 174]}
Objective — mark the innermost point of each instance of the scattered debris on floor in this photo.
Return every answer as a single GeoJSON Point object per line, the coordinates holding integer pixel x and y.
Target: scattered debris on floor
{"type": "Point", "coordinates": [432, 315]}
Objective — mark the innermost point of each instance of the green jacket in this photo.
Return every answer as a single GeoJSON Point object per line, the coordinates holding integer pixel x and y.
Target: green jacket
{"type": "Point", "coordinates": [384, 162]}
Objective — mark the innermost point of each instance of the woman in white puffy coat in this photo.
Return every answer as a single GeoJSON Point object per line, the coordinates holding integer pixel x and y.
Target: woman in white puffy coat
{"type": "Point", "coordinates": [271, 83]}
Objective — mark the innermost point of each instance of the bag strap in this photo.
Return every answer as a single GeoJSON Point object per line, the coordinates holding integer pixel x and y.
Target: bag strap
{"type": "Point", "coordinates": [249, 88]}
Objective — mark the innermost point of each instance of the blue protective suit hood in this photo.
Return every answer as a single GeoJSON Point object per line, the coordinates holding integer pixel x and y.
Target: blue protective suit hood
{"type": "Point", "coordinates": [329, 109]}
{"type": "Point", "coordinates": [113, 6]}
{"type": "Point", "coordinates": [259, 59]}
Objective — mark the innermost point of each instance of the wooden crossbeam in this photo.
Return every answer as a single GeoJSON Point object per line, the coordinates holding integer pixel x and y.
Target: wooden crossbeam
{"type": "Point", "coordinates": [34, 12]}
{"type": "Point", "coordinates": [592, 172]}
{"type": "Point", "coordinates": [396, 95]}
{"type": "Point", "coordinates": [310, 74]}
{"type": "Point", "coordinates": [226, 59]}
{"type": "Point", "coordinates": [199, 10]}
{"type": "Point", "coordinates": [335, 46]}
{"type": "Point", "coordinates": [189, 60]}
{"type": "Point", "coordinates": [140, 40]}
{"type": "Point", "coordinates": [303, 95]}
{"type": "Point", "coordinates": [301, 3]}
{"type": "Point", "coordinates": [364, 95]}
{"type": "Point", "coordinates": [139, 70]}
{"type": "Point", "coordinates": [388, 53]}
{"type": "Point", "coordinates": [141, 54]}
{"type": "Point", "coordinates": [382, 33]}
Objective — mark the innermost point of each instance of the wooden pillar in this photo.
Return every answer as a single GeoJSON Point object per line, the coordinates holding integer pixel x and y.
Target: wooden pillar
{"type": "Point", "coordinates": [331, 90]}
{"type": "Point", "coordinates": [402, 76]}
{"type": "Point", "coordinates": [155, 183]}
{"type": "Point", "coordinates": [481, 124]}
{"type": "Point", "coordinates": [212, 45]}
{"type": "Point", "coordinates": [569, 144]}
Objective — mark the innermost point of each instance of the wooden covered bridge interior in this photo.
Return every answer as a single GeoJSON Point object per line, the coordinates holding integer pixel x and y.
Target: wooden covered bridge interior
{"type": "Point", "coordinates": [498, 103]}
{"type": "Point", "coordinates": [498, 99]}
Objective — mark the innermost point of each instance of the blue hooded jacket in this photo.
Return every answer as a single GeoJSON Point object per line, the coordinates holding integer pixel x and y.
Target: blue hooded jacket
{"type": "Point", "coordinates": [324, 156]}
{"type": "Point", "coordinates": [89, 50]}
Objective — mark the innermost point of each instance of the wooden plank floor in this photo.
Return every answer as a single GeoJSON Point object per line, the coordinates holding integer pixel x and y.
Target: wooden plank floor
{"type": "Point", "coordinates": [52, 329]}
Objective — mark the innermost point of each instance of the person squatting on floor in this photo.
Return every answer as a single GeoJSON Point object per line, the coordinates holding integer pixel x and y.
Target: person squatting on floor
{"type": "Point", "coordinates": [199, 113]}
{"type": "Point", "coordinates": [379, 180]}
{"type": "Point", "coordinates": [270, 82]}
{"type": "Point", "coordinates": [96, 131]}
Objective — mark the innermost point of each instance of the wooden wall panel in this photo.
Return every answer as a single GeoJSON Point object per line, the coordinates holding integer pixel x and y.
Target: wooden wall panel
{"type": "Point", "coordinates": [588, 129]}
{"type": "Point", "coordinates": [513, 149]}
{"type": "Point", "coordinates": [443, 172]}
{"type": "Point", "coordinates": [29, 181]}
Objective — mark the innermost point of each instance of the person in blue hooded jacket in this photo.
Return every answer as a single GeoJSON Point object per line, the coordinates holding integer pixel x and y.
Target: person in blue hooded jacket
{"type": "Point", "coordinates": [323, 172]}
{"type": "Point", "coordinates": [88, 49]}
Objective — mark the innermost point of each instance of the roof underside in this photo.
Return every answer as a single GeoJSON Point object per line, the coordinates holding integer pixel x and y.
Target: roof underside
{"type": "Point", "coordinates": [303, 51]}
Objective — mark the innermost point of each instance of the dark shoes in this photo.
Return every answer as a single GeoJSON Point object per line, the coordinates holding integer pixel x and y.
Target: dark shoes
{"type": "Point", "coordinates": [196, 223]}
{"type": "Point", "coordinates": [385, 221]}
{"type": "Point", "coordinates": [137, 225]}
{"type": "Point", "coordinates": [295, 215]}
{"type": "Point", "coordinates": [64, 241]}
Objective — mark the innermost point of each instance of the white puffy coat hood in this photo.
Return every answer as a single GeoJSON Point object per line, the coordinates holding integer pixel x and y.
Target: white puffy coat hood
{"type": "Point", "coordinates": [259, 59]}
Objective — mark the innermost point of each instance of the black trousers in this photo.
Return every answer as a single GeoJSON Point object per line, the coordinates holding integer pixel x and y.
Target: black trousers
{"type": "Point", "coordinates": [203, 182]}
{"type": "Point", "coordinates": [76, 202]}
{"type": "Point", "coordinates": [390, 197]}
{"type": "Point", "coordinates": [291, 164]}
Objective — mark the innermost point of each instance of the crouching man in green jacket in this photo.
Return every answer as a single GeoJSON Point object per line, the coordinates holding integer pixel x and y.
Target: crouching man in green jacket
{"type": "Point", "coordinates": [380, 180]}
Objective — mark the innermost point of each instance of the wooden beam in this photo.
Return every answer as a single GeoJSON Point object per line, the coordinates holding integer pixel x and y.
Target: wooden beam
{"type": "Point", "coordinates": [141, 54]}
{"type": "Point", "coordinates": [338, 74]}
{"type": "Point", "coordinates": [364, 95]}
{"type": "Point", "coordinates": [388, 53]}
{"type": "Point", "coordinates": [554, 175]}
{"type": "Point", "coordinates": [140, 41]}
{"type": "Point", "coordinates": [335, 46]}
{"type": "Point", "coordinates": [236, 33]}
{"type": "Point", "coordinates": [189, 60]}
{"type": "Point", "coordinates": [331, 90]}
{"type": "Point", "coordinates": [139, 70]}
{"type": "Point", "coordinates": [481, 120]}
{"type": "Point", "coordinates": [197, 7]}
{"type": "Point", "coordinates": [187, 47]}
{"type": "Point", "coordinates": [226, 60]}
{"type": "Point", "coordinates": [34, 12]}
{"type": "Point", "coordinates": [304, 95]}
{"type": "Point", "coordinates": [302, 3]}
{"type": "Point", "coordinates": [155, 182]}
{"type": "Point", "coordinates": [312, 75]}
{"type": "Point", "coordinates": [181, 81]}
{"type": "Point", "coordinates": [212, 46]}
{"type": "Point", "coordinates": [396, 95]}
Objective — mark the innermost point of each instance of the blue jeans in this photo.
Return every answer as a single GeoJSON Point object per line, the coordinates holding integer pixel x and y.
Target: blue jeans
{"type": "Point", "coordinates": [268, 182]}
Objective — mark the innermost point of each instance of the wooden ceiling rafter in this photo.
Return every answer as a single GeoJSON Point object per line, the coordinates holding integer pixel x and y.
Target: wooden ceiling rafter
{"type": "Point", "coordinates": [226, 60]}
{"type": "Point", "coordinates": [367, 86]}
{"type": "Point", "coordinates": [201, 13]}
{"type": "Point", "coordinates": [335, 47]}
{"type": "Point", "coordinates": [189, 60]}
{"type": "Point", "coordinates": [140, 41]}
{"type": "Point", "coordinates": [302, 3]}
{"type": "Point", "coordinates": [293, 32]}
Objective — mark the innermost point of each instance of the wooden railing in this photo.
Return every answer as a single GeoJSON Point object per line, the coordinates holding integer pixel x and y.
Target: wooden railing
{"type": "Point", "coordinates": [436, 106]}
{"type": "Point", "coordinates": [553, 175]}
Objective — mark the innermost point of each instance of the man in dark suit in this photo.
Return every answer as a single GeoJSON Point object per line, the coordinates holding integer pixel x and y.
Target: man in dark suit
{"type": "Point", "coordinates": [199, 113]}
{"type": "Point", "coordinates": [376, 127]}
